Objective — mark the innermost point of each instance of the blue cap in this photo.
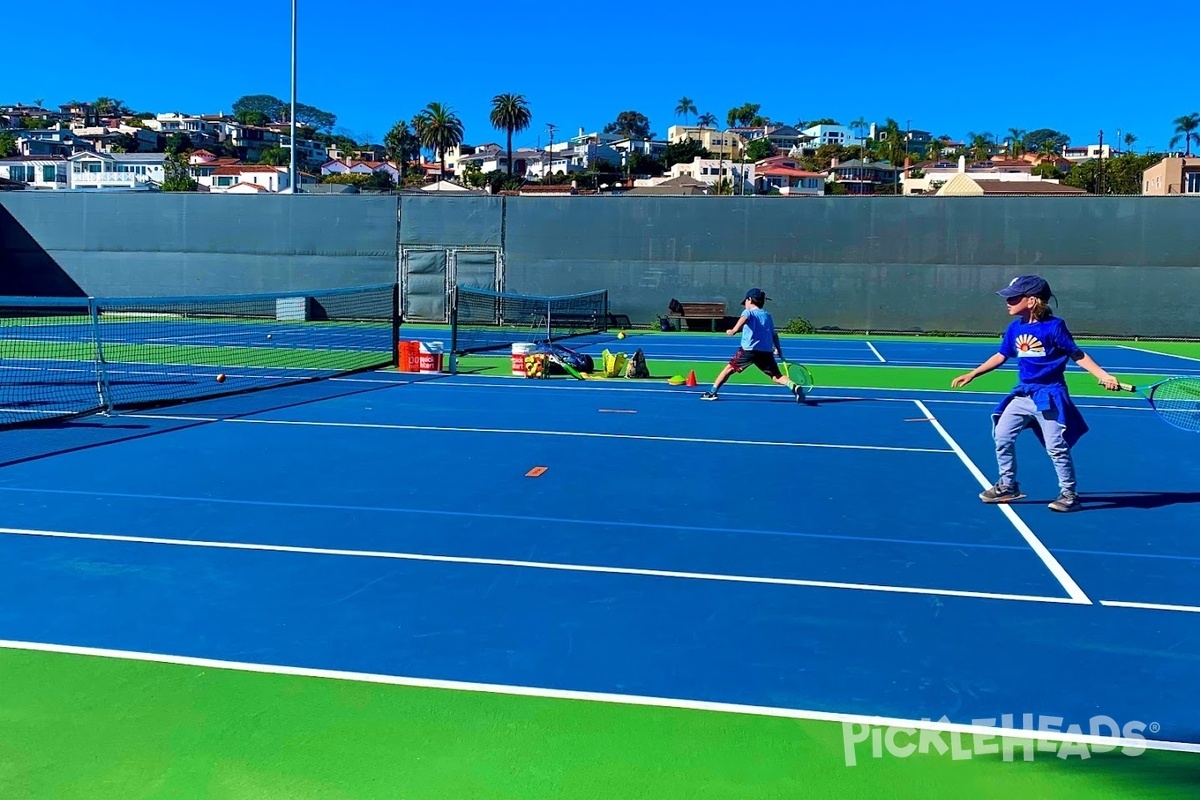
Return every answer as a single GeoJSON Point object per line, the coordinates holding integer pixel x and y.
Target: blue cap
{"type": "Point", "coordinates": [757, 295]}
{"type": "Point", "coordinates": [1026, 286]}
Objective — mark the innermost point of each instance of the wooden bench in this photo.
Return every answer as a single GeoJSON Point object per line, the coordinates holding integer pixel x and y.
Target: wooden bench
{"type": "Point", "coordinates": [714, 312]}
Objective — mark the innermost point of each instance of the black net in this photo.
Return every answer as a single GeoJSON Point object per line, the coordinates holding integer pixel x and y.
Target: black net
{"type": "Point", "coordinates": [483, 320]}
{"type": "Point", "coordinates": [1178, 402]}
{"type": "Point", "coordinates": [67, 357]}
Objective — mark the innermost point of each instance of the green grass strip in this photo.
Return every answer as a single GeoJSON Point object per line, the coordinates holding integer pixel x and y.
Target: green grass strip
{"type": "Point", "coordinates": [106, 729]}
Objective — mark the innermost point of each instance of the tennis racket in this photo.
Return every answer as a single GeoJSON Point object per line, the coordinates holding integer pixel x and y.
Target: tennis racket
{"type": "Point", "coordinates": [1176, 400]}
{"type": "Point", "coordinates": [797, 373]}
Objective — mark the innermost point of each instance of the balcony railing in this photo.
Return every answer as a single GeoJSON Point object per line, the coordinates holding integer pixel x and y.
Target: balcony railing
{"type": "Point", "coordinates": [130, 178]}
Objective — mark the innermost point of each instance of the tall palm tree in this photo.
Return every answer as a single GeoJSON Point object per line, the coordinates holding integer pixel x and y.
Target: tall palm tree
{"type": "Point", "coordinates": [510, 113]}
{"type": "Point", "coordinates": [1187, 129]}
{"type": "Point", "coordinates": [980, 146]}
{"type": "Point", "coordinates": [1047, 149]}
{"type": "Point", "coordinates": [706, 120]}
{"type": "Point", "coordinates": [685, 108]}
{"type": "Point", "coordinates": [1017, 138]}
{"type": "Point", "coordinates": [439, 129]}
{"type": "Point", "coordinates": [1129, 140]}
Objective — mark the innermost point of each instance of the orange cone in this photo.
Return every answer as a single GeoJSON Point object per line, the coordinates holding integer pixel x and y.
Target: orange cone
{"type": "Point", "coordinates": [691, 379]}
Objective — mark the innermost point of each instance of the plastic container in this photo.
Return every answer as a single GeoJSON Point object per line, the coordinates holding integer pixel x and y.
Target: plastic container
{"type": "Point", "coordinates": [430, 356]}
{"type": "Point", "coordinates": [519, 351]}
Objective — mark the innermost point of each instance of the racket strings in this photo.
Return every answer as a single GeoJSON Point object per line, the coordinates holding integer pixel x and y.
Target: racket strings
{"type": "Point", "coordinates": [1178, 402]}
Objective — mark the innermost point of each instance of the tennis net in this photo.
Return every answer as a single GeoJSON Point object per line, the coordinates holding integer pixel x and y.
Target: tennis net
{"type": "Point", "coordinates": [482, 320]}
{"type": "Point", "coordinates": [66, 357]}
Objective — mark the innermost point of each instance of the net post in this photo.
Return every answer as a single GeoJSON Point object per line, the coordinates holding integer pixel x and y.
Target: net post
{"type": "Point", "coordinates": [395, 343]}
{"type": "Point", "coordinates": [102, 392]}
{"type": "Point", "coordinates": [454, 320]}
{"type": "Point", "coordinates": [549, 321]}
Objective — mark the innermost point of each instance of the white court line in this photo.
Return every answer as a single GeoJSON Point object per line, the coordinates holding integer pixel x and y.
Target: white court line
{"type": "Point", "coordinates": [1009, 734]}
{"type": "Point", "coordinates": [1056, 569]}
{"type": "Point", "coordinates": [1156, 353]}
{"type": "Point", "coordinates": [583, 435]}
{"type": "Point", "coordinates": [1150, 606]}
{"type": "Point", "coordinates": [542, 565]}
{"type": "Point", "coordinates": [876, 352]}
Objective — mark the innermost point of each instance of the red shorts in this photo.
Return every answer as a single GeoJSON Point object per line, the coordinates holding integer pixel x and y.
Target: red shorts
{"type": "Point", "coordinates": [762, 359]}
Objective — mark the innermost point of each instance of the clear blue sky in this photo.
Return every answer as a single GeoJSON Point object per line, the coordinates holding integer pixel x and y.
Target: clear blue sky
{"type": "Point", "coordinates": [372, 64]}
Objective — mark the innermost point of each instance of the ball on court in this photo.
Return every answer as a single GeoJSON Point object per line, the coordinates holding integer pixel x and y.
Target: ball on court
{"type": "Point", "coordinates": [221, 377]}
{"type": "Point", "coordinates": [268, 336]}
{"type": "Point", "coordinates": [620, 334]}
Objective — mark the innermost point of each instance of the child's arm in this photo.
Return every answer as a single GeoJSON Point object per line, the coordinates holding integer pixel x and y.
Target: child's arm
{"type": "Point", "coordinates": [778, 346]}
{"type": "Point", "coordinates": [983, 369]}
{"type": "Point", "coordinates": [1107, 381]}
{"type": "Point", "coordinates": [737, 326]}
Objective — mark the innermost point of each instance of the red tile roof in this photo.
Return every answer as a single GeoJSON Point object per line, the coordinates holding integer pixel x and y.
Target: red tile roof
{"type": "Point", "coordinates": [240, 169]}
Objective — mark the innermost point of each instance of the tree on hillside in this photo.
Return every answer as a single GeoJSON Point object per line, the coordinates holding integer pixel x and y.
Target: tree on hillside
{"type": "Point", "coordinates": [402, 145]}
{"type": "Point", "coordinates": [176, 175]}
{"type": "Point", "coordinates": [1122, 174]}
{"type": "Point", "coordinates": [684, 152]}
{"type": "Point", "coordinates": [758, 149]}
{"type": "Point", "coordinates": [706, 120]}
{"type": "Point", "coordinates": [1036, 141]}
{"type": "Point", "coordinates": [746, 116]}
{"type": "Point", "coordinates": [510, 113]}
{"type": "Point", "coordinates": [439, 129]}
{"type": "Point", "coordinates": [685, 108]}
{"type": "Point", "coordinates": [269, 106]}
{"type": "Point", "coordinates": [633, 124]}
{"type": "Point", "coordinates": [1187, 130]}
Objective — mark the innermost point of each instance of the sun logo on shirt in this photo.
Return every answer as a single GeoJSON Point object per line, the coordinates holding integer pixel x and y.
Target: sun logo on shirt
{"type": "Point", "coordinates": [1028, 345]}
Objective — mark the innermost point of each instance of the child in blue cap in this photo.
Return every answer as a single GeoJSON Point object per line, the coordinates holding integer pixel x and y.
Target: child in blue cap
{"type": "Point", "coordinates": [1042, 345]}
{"type": "Point", "coordinates": [760, 345]}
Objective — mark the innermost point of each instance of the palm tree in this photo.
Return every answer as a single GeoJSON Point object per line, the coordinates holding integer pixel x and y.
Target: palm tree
{"type": "Point", "coordinates": [439, 129]}
{"type": "Point", "coordinates": [1047, 149]}
{"type": "Point", "coordinates": [980, 146]}
{"type": "Point", "coordinates": [706, 120]}
{"type": "Point", "coordinates": [685, 107]}
{"type": "Point", "coordinates": [510, 113]}
{"type": "Point", "coordinates": [1129, 140]}
{"type": "Point", "coordinates": [402, 145]}
{"type": "Point", "coordinates": [1017, 138]}
{"type": "Point", "coordinates": [1187, 129]}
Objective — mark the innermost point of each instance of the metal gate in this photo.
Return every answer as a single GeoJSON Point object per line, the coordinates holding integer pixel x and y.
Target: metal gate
{"type": "Point", "coordinates": [428, 276]}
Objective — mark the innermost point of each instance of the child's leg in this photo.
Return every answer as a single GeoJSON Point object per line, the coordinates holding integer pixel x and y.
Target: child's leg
{"type": "Point", "coordinates": [736, 364]}
{"type": "Point", "coordinates": [1054, 433]}
{"type": "Point", "coordinates": [1016, 418]}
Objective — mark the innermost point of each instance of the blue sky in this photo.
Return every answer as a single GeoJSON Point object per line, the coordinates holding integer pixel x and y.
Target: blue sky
{"type": "Point", "coordinates": [375, 63]}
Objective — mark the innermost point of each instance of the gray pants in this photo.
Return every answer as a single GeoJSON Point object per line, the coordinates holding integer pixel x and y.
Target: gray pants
{"type": "Point", "coordinates": [1021, 413]}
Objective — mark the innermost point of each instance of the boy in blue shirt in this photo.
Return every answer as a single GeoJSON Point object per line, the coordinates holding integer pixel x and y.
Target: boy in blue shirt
{"type": "Point", "coordinates": [1042, 345]}
{"type": "Point", "coordinates": [760, 345]}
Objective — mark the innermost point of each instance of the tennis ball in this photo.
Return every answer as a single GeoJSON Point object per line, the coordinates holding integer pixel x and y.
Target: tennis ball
{"type": "Point", "coordinates": [221, 378]}
{"type": "Point", "coordinates": [268, 336]}
{"type": "Point", "coordinates": [620, 334]}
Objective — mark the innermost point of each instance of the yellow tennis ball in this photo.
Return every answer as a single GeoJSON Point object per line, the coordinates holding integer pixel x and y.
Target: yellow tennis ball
{"type": "Point", "coordinates": [620, 334]}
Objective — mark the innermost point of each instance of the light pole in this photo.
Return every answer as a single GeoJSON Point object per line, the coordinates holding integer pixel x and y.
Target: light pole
{"type": "Point", "coordinates": [292, 115]}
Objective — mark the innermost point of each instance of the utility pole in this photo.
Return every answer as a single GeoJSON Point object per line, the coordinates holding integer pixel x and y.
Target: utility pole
{"type": "Point", "coordinates": [1100, 172]}
{"type": "Point", "coordinates": [292, 116]}
{"type": "Point", "coordinates": [551, 127]}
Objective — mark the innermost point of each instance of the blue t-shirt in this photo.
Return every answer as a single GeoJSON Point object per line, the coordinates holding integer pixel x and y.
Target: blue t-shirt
{"type": "Point", "coordinates": [1042, 350]}
{"type": "Point", "coordinates": [759, 331]}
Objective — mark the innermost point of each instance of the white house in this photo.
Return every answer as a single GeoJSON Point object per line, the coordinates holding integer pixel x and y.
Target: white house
{"type": "Point", "coordinates": [711, 170]}
{"type": "Point", "coordinates": [246, 179]}
{"type": "Point", "coordinates": [818, 135]}
{"type": "Point", "coordinates": [38, 172]}
{"type": "Point", "coordinates": [1089, 152]}
{"type": "Point", "coordinates": [354, 167]}
{"type": "Point", "coordinates": [784, 175]}
{"type": "Point", "coordinates": [116, 170]}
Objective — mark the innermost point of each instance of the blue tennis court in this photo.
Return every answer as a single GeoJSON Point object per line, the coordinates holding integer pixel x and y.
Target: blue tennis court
{"type": "Point", "coordinates": [830, 558]}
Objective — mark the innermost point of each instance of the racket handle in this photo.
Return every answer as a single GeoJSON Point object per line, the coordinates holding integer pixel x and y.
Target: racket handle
{"type": "Point", "coordinates": [1125, 387]}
